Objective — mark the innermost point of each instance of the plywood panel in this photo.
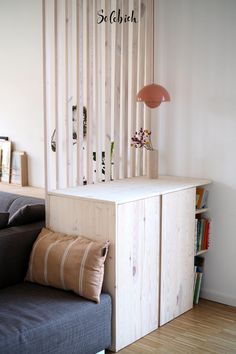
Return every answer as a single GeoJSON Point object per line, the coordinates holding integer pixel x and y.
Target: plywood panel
{"type": "Point", "coordinates": [177, 254]}
{"type": "Point", "coordinates": [137, 270]}
{"type": "Point", "coordinates": [79, 92]}
{"type": "Point", "coordinates": [95, 220]}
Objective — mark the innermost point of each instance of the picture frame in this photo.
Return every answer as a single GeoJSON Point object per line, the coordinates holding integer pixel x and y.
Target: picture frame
{"type": "Point", "coordinates": [5, 166]}
{"type": "Point", "coordinates": [19, 168]}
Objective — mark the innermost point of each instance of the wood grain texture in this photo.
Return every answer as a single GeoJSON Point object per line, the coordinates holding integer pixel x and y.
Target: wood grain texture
{"type": "Point", "coordinates": [177, 254]}
{"type": "Point", "coordinates": [131, 189]}
{"type": "Point", "coordinates": [61, 126]}
{"type": "Point", "coordinates": [137, 270]}
{"type": "Point", "coordinates": [209, 328]}
{"type": "Point", "coordinates": [79, 171]}
{"type": "Point", "coordinates": [95, 220]}
{"type": "Point", "coordinates": [131, 272]}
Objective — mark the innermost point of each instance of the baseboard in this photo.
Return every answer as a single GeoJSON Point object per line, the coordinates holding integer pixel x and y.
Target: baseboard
{"type": "Point", "coordinates": [218, 297]}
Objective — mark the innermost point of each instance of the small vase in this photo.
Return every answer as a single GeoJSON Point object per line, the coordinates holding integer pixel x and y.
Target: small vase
{"type": "Point", "coordinates": [152, 163]}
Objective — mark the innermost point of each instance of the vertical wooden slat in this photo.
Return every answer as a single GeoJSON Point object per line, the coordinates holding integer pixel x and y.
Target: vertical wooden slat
{"type": "Point", "coordinates": [56, 91]}
{"type": "Point", "coordinates": [61, 94]}
{"type": "Point", "coordinates": [84, 46]}
{"type": "Point", "coordinates": [132, 83]}
{"type": "Point", "coordinates": [95, 91]}
{"type": "Point", "coordinates": [102, 27]}
{"type": "Point", "coordinates": [79, 92]}
{"type": "Point", "coordinates": [117, 91]}
{"type": "Point", "coordinates": [69, 92]}
{"type": "Point", "coordinates": [130, 102]}
{"type": "Point", "coordinates": [99, 100]}
{"type": "Point", "coordinates": [45, 103]}
{"type": "Point", "coordinates": [90, 92]}
{"type": "Point", "coordinates": [112, 85]}
{"type": "Point", "coordinates": [49, 89]}
{"type": "Point", "coordinates": [107, 96]}
{"type": "Point", "coordinates": [124, 94]}
{"type": "Point", "coordinates": [66, 90]}
{"type": "Point", "coordinates": [148, 68]}
{"type": "Point", "coordinates": [73, 89]}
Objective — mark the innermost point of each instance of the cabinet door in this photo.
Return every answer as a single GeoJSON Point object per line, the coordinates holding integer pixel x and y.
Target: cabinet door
{"type": "Point", "coordinates": [137, 270]}
{"type": "Point", "coordinates": [177, 254]}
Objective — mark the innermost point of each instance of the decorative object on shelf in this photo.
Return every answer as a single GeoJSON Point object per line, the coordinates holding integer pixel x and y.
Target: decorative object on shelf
{"type": "Point", "coordinates": [19, 168]}
{"type": "Point", "coordinates": [153, 95]}
{"type": "Point", "coordinates": [142, 139]}
{"type": "Point", "coordinates": [152, 164]}
{"type": "Point", "coordinates": [5, 166]}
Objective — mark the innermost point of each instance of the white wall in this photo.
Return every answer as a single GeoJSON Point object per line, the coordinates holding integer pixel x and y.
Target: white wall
{"type": "Point", "coordinates": [21, 85]}
{"type": "Point", "coordinates": [196, 61]}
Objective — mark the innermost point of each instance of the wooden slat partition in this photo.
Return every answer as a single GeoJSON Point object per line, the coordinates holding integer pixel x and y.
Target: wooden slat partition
{"type": "Point", "coordinates": [100, 67]}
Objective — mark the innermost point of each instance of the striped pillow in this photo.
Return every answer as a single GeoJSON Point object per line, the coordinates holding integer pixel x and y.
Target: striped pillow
{"type": "Point", "coordinates": [68, 262]}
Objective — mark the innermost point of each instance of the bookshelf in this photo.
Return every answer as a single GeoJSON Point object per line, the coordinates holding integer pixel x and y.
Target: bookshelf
{"type": "Point", "coordinates": [201, 237]}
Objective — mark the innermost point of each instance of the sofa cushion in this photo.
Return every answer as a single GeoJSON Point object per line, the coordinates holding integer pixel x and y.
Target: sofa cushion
{"type": "Point", "coordinates": [21, 201]}
{"type": "Point", "coordinates": [68, 262]}
{"type": "Point", "coordinates": [15, 247]}
{"type": "Point", "coordinates": [3, 219]}
{"type": "Point", "coordinates": [6, 199]}
{"type": "Point", "coordinates": [38, 319]}
{"type": "Point", "coordinates": [27, 214]}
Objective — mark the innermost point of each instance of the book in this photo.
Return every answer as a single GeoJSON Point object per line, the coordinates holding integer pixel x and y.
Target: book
{"type": "Point", "coordinates": [197, 288]}
{"type": "Point", "coordinates": [199, 267]}
{"type": "Point", "coordinates": [202, 229]}
{"type": "Point", "coordinates": [201, 197]}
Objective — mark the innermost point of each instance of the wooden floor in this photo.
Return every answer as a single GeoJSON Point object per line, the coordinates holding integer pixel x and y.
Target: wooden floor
{"type": "Point", "coordinates": [208, 328]}
{"type": "Point", "coordinates": [29, 191]}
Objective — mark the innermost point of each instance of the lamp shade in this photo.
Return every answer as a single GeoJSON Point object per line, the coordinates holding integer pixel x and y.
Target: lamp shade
{"type": "Point", "coordinates": [152, 95]}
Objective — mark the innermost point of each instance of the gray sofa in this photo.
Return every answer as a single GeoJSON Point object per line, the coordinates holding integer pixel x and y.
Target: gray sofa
{"type": "Point", "coordinates": [39, 319]}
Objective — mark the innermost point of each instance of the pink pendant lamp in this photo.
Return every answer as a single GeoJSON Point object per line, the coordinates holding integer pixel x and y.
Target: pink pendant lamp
{"type": "Point", "coordinates": [153, 95]}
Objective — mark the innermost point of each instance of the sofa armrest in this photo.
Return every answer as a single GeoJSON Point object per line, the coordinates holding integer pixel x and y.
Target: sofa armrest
{"type": "Point", "coordinates": [15, 247]}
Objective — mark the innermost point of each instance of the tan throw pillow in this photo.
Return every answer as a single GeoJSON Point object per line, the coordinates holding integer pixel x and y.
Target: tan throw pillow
{"type": "Point", "coordinates": [68, 262]}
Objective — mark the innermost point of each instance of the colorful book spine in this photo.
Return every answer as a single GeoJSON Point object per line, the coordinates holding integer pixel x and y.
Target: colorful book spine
{"type": "Point", "coordinates": [202, 230]}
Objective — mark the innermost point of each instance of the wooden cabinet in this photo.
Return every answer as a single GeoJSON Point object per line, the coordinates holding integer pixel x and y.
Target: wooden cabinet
{"type": "Point", "coordinates": [177, 254]}
{"type": "Point", "coordinates": [132, 267]}
{"type": "Point", "coordinates": [150, 226]}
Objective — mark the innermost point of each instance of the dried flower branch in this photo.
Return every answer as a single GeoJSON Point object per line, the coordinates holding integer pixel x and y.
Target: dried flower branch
{"type": "Point", "coordinates": [142, 139]}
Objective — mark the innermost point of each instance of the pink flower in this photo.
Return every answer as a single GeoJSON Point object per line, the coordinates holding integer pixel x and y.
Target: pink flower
{"type": "Point", "coordinates": [142, 139]}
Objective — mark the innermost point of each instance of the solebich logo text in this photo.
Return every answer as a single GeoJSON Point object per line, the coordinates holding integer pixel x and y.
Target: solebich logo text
{"type": "Point", "coordinates": [115, 17]}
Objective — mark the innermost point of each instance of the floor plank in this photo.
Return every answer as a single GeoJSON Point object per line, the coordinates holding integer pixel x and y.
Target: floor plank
{"type": "Point", "coordinates": [208, 328]}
